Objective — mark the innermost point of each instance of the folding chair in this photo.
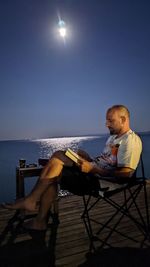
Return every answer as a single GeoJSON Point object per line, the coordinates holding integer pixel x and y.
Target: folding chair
{"type": "Point", "coordinates": [130, 190]}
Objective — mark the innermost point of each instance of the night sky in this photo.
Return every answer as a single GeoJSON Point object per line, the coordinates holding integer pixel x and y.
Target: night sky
{"type": "Point", "coordinates": [55, 87]}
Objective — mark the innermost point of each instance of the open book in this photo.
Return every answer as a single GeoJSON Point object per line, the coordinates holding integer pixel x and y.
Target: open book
{"type": "Point", "coordinates": [73, 156]}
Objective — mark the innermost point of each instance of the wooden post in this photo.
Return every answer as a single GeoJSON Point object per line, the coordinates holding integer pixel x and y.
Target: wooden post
{"type": "Point", "coordinates": [19, 183]}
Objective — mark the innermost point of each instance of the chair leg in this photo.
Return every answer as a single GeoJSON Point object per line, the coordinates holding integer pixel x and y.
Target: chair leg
{"type": "Point", "coordinates": [87, 223]}
{"type": "Point", "coordinates": [124, 209]}
{"type": "Point", "coordinates": [55, 211]}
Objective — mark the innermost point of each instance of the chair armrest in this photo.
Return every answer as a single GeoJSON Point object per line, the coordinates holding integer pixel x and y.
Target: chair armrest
{"type": "Point", "coordinates": [118, 180]}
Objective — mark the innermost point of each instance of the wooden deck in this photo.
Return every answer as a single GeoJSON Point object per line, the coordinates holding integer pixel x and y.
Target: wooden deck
{"type": "Point", "coordinates": [67, 244]}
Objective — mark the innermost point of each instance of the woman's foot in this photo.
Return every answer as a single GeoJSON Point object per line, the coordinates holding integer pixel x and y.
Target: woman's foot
{"type": "Point", "coordinates": [25, 204]}
{"type": "Point", "coordinates": [35, 224]}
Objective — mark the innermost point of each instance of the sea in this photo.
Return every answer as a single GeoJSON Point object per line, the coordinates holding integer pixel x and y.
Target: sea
{"type": "Point", "coordinates": [31, 150]}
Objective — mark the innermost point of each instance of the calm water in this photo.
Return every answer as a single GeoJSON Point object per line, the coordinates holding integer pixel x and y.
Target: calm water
{"type": "Point", "coordinates": [31, 150]}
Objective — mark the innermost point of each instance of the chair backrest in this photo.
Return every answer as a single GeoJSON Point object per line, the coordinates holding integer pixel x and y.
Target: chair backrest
{"type": "Point", "coordinates": [141, 168]}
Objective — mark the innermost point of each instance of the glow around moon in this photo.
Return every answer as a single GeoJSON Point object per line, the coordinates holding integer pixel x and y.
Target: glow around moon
{"type": "Point", "coordinates": [62, 28]}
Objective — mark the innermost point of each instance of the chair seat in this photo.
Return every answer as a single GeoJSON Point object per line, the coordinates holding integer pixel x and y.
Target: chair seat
{"type": "Point", "coordinates": [118, 187]}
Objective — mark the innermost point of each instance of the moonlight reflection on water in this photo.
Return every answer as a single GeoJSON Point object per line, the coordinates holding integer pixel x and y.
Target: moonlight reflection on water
{"type": "Point", "coordinates": [49, 146]}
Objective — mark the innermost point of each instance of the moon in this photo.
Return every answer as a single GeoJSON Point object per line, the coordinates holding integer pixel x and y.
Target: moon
{"type": "Point", "coordinates": [62, 28]}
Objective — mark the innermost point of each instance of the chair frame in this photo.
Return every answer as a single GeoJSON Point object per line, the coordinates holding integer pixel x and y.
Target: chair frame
{"type": "Point", "coordinates": [130, 191]}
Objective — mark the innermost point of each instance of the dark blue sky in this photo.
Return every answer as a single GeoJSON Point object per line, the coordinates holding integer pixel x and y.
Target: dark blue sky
{"type": "Point", "coordinates": [51, 88]}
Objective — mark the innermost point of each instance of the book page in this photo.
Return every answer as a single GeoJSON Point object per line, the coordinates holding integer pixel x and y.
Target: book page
{"type": "Point", "coordinates": [73, 156]}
